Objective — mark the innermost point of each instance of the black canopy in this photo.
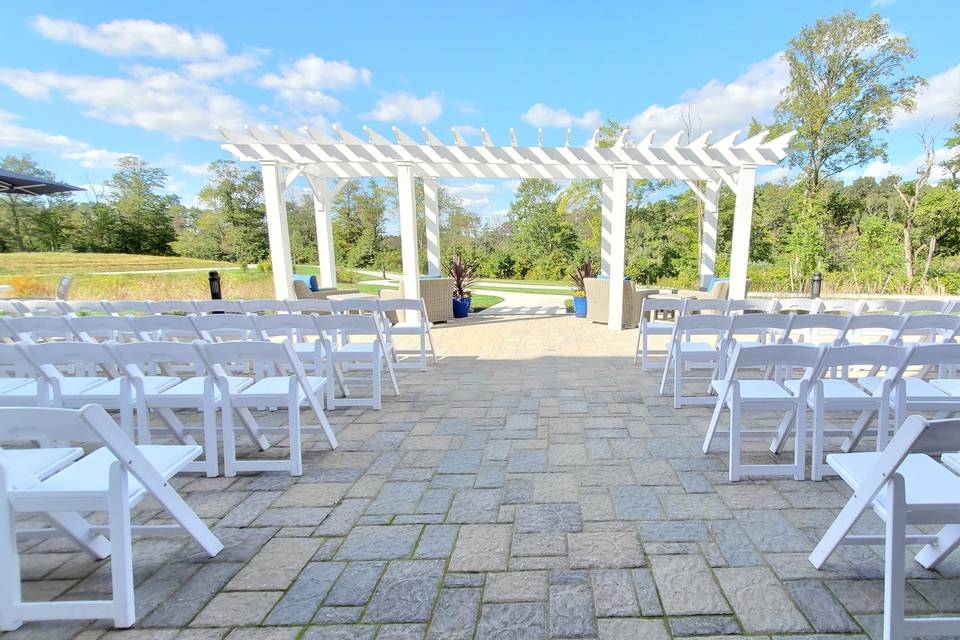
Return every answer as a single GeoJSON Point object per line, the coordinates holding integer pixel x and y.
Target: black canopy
{"type": "Point", "coordinates": [22, 184]}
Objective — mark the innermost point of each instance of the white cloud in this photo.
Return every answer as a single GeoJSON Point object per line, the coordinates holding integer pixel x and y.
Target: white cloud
{"type": "Point", "coordinates": [908, 170]}
{"type": "Point", "coordinates": [721, 106]}
{"type": "Point", "coordinates": [540, 115]}
{"type": "Point", "coordinates": [152, 99]}
{"type": "Point", "coordinates": [406, 107]}
{"type": "Point", "coordinates": [222, 68]}
{"type": "Point", "coordinates": [29, 140]}
{"type": "Point", "coordinates": [467, 130]}
{"type": "Point", "coordinates": [881, 3]}
{"type": "Point", "coordinates": [466, 108]}
{"type": "Point", "coordinates": [938, 102]}
{"type": "Point", "coordinates": [306, 80]}
{"type": "Point", "coordinates": [141, 38]}
{"type": "Point", "coordinates": [202, 169]}
{"type": "Point", "coordinates": [774, 176]}
{"type": "Point", "coordinates": [470, 188]}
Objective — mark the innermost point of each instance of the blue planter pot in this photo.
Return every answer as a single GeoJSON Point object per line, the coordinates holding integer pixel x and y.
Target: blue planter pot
{"type": "Point", "coordinates": [580, 307]}
{"type": "Point", "coordinates": [461, 307]}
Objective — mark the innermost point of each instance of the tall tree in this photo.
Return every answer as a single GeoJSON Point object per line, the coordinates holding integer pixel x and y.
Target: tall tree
{"type": "Point", "coordinates": [237, 193]}
{"type": "Point", "coordinates": [938, 214]}
{"type": "Point", "coordinates": [846, 83]}
{"type": "Point", "coordinates": [910, 194]}
{"type": "Point", "coordinates": [145, 216]}
{"type": "Point", "coordinates": [953, 143]}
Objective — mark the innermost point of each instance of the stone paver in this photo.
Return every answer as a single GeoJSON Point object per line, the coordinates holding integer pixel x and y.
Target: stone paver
{"type": "Point", "coordinates": [532, 485]}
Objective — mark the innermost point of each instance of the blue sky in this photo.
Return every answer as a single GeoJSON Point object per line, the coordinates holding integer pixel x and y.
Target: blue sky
{"type": "Point", "coordinates": [82, 83]}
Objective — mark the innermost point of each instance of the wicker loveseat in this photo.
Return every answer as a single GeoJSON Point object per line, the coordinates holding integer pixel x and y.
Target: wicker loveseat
{"type": "Point", "coordinates": [304, 293]}
{"type": "Point", "coordinates": [598, 301]}
{"type": "Point", "coordinates": [436, 294]}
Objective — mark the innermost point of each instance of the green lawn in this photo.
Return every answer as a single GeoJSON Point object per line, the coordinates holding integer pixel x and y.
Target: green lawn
{"type": "Point", "coordinates": [556, 292]}
{"type": "Point", "coordinates": [58, 264]}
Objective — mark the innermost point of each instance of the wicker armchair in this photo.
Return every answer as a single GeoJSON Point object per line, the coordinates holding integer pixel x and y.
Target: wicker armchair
{"type": "Point", "coordinates": [598, 301]}
{"type": "Point", "coordinates": [303, 291]}
{"type": "Point", "coordinates": [436, 293]}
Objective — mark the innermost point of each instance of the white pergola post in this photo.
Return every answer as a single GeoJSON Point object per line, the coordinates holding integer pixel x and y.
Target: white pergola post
{"type": "Point", "coordinates": [606, 202]}
{"type": "Point", "coordinates": [407, 201]}
{"type": "Point", "coordinates": [708, 238]}
{"type": "Point", "coordinates": [431, 210]}
{"type": "Point", "coordinates": [742, 221]}
{"type": "Point", "coordinates": [279, 238]}
{"type": "Point", "coordinates": [618, 236]}
{"type": "Point", "coordinates": [322, 215]}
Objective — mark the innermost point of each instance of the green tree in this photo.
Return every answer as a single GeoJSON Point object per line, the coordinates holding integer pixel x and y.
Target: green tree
{"type": "Point", "coordinates": [846, 84]}
{"type": "Point", "coordinates": [236, 195]}
{"type": "Point", "coordinates": [145, 217]}
{"type": "Point", "coordinates": [540, 230]}
{"type": "Point", "coordinates": [953, 162]}
{"type": "Point", "coordinates": [18, 207]}
{"type": "Point", "coordinates": [937, 214]}
{"type": "Point", "coordinates": [877, 256]}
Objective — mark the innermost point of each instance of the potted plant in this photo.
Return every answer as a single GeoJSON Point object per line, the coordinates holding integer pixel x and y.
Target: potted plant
{"type": "Point", "coordinates": [463, 274]}
{"type": "Point", "coordinates": [585, 270]}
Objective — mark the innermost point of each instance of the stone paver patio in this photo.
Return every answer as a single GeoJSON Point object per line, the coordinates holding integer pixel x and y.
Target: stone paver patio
{"type": "Point", "coordinates": [532, 485]}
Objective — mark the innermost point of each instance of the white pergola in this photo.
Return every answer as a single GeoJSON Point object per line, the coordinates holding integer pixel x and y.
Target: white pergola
{"type": "Point", "coordinates": [286, 155]}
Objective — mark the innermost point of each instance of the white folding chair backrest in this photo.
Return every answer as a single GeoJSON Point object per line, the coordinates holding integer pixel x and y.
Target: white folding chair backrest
{"type": "Point", "coordinates": [58, 360]}
{"type": "Point", "coordinates": [291, 326]}
{"type": "Point", "coordinates": [928, 327]}
{"type": "Point", "coordinates": [225, 326]}
{"type": "Point", "coordinates": [934, 354]}
{"type": "Point", "coordinates": [402, 304]}
{"type": "Point", "coordinates": [140, 358]}
{"type": "Point", "coordinates": [41, 328]}
{"type": "Point", "coordinates": [310, 306]}
{"type": "Point", "coordinates": [222, 357]}
{"type": "Point", "coordinates": [699, 305]}
{"type": "Point", "coordinates": [689, 326]}
{"type": "Point", "coordinates": [882, 325]}
{"type": "Point", "coordinates": [844, 307]}
{"type": "Point", "coordinates": [218, 306]}
{"type": "Point", "coordinates": [799, 305]}
{"type": "Point", "coordinates": [654, 305]}
{"type": "Point", "coordinates": [781, 356]}
{"type": "Point", "coordinates": [358, 304]}
{"type": "Point", "coordinates": [181, 307]}
{"type": "Point", "coordinates": [14, 361]}
{"type": "Point", "coordinates": [9, 309]}
{"type": "Point", "coordinates": [758, 305]}
{"type": "Point", "coordinates": [127, 307]}
{"type": "Point", "coordinates": [82, 307]}
{"type": "Point", "coordinates": [101, 328]}
{"type": "Point", "coordinates": [165, 327]}
{"type": "Point", "coordinates": [818, 328]}
{"type": "Point", "coordinates": [867, 358]}
{"type": "Point", "coordinates": [42, 307]}
{"type": "Point", "coordinates": [925, 306]}
{"type": "Point", "coordinates": [761, 327]}
{"type": "Point", "coordinates": [882, 306]}
{"type": "Point", "coordinates": [737, 306]}
{"type": "Point", "coordinates": [264, 306]}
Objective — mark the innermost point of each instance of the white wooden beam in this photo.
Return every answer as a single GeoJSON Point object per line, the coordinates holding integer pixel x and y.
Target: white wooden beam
{"type": "Point", "coordinates": [291, 175]}
{"type": "Point", "coordinates": [618, 234]}
{"type": "Point", "coordinates": [431, 210]}
{"type": "Point", "coordinates": [279, 239]}
{"type": "Point", "coordinates": [742, 223]}
{"type": "Point", "coordinates": [708, 236]}
{"type": "Point", "coordinates": [338, 188]}
{"type": "Point", "coordinates": [407, 201]}
{"type": "Point", "coordinates": [606, 239]}
{"type": "Point", "coordinates": [323, 219]}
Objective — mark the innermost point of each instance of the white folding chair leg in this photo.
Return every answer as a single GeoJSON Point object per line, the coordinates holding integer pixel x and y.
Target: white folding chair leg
{"type": "Point", "coordinates": [121, 547]}
{"type": "Point", "coordinates": [11, 591]}
{"type": "Point", "coordinates": [948, 539]}
{"type": "Point", "coordinates": [735, 439]}
{"type": "Point", "coordinates": [783, 432]}
{"type": "Point", "coordinates": [252, 428]}
{"type": "Point", "coordinates": [77, 529]}
{"type": "Point", "coordinates": [636, 350]}
{"type": "Point", "coordinates": [666, 369]}
{"type": "Point", "coordinates": [423, 350]}
{"type": "Point", "coordinates": [433, 345]}
{"type": "Point", "coordinates": [393, 376]}
{"type": "Point", "coordinates": [894, 570]}
{"type": "Point", "coordinates": [295, 444]}
{"type": "Point", "coordinates": [714, 423]}
{"type": "Point", "coordinates": [817, 464]}
{"type": "Point", "coordinates": [376, 374]}
{"type": "Point", "coordinates": [856, 432]}
{"type": "Point", "coordinates": [229, 440]}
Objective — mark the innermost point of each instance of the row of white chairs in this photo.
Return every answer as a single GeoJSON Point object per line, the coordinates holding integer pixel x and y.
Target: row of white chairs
{"type": "Point", "coordinates": [658, 315]}
{"type": "Point", "coordinates": [49, 307]}
{"type": "Point", "coordinates": [64, 486]}
{"type": "Point", "coordinates": [803, 377]}
{"type": "Point", "coordinates": [136, 379]}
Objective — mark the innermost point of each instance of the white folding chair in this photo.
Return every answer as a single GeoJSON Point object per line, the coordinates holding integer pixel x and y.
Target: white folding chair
{"type": "Point", "coordinates": [10, 309]}
{"type": "Point", "coordinates": [81, 373]}
{"type": "Point", "coordinates": [206, 307]}
{"type": "Point", "coordinates": [82, 307]}
{"type": "Point", "coordinates": [818, 328]}
{"type": "Point", "coordinates": [165, 327]}
{"type": "Point", "coordinates": [193, 392]}
{"type": "Point", "coordinates": [174, 307]}
{"type": "Point", "coordinates": [21, 382]}
{"type": "Point", "coordinates": [650, 325]}
{"type": "Point", "coordinates": [310, 306]}
{"type": "Point", "coordinates": [750, 330]}
{"type": "Point", "coordinates": [226, 326]}
{"type": "Point", "coordinates": [927, 328]}
{"type": "Point", "coordinates": [738, 394]}
{"type": "Point", "coordinates": [799, 305]}
{"type": "Point", "coordinates": [913, 394]}
{"type": "Point", "coordinates": [415, 323]}
{"type": "Point", "coordinates": [127, 307]}
{"type": "Point", "coordinates": [925, 306]}
{"type": "Point", "coordinates": [756, 305]}
{"type": "Point", "coordinates": [41, 328]}
{"type": "Point", "coordinates": [290, 387]}
{"type": "Point", "coordinates": [261, 307]}
{"type": "Point", "coordinates": [351, 354]}
{"type": "Point", "coordinates": [306, 340]}
{"type": "Point", "coordinates": [873, 328]}
{"type": "Point", "coordinates": [40, 307]}
{"type": "Point", "coordinates": [842, 307]}
{"type": "Point", "coordinates": [102, 328]}
{"type": "Point", "coordinates": [696, 340]}
{"type": "Point", "coordinates": [706, 306]}
{"type": "Point", "coordinates": [904, 486]}
{"type": "Point", "coordinates": [112, 479]}
{"type": "Point", "coordinates": [843, 394]}
{"type": "Point", "coordinates": [882, 306]}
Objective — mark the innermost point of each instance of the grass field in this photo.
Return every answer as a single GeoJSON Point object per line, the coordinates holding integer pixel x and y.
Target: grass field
{"type": "Point", "coordinates": [58, 264]}
{"type": "Point", "coordinates": [555, 292]}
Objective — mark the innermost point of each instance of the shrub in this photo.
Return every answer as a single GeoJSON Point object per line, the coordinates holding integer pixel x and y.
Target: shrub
{"type": "Point", "coordinates": [30, 287]}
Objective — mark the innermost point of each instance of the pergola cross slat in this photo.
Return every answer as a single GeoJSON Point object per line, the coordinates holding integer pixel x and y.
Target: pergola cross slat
{"type": "Point", "coordinates": [286, 155]}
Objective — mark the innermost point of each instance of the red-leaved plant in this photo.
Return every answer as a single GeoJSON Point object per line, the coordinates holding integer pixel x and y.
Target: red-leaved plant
{"type": "Point", "coordinates": [464, 274]}
{"type": "Point", "coordinates": [579, 274]}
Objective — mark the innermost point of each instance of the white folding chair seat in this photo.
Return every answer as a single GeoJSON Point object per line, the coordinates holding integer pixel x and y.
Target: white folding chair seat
{"type": "Point", "coordinates": [42, 462]}
{"type": "Point", "coordinates": [650, 326]}
{"type": "Point", "coordinates": [687, 348]}
{"type": "Point", "coordinates": [289, 387]}
{"type": "Point", "coordinates": [904, 486]}
{"type": "Point", "coordinates": [952, 460]}
{"type": "Point", "coordinates": [112, 479]}
{"type": "Point", "coordinates": [738, 394]}
{"type": "Point", "coordinates": [8, 385]}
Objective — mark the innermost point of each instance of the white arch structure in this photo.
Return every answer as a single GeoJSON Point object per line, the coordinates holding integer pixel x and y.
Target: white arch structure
{"type": "Point", "coordinates": [285, 155]}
